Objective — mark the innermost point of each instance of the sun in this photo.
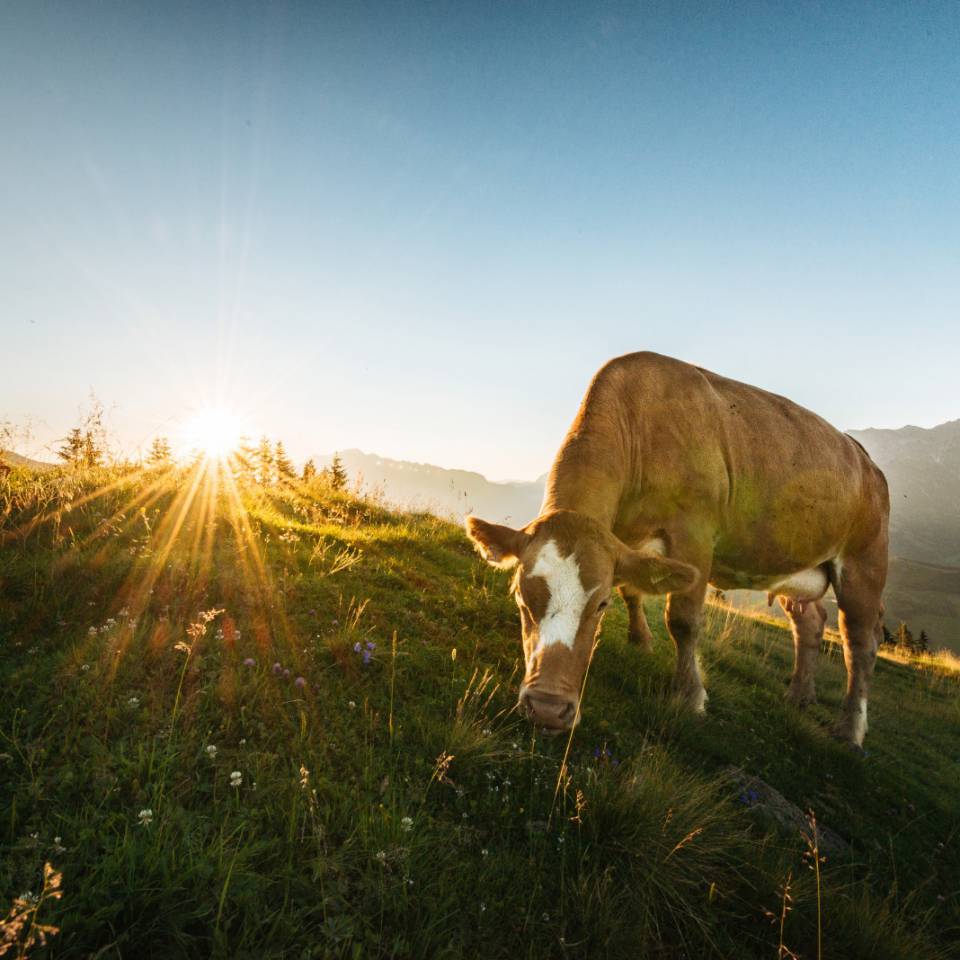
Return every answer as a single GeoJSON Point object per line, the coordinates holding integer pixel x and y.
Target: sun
{"type": "Point", "coordinates": [213, 432]}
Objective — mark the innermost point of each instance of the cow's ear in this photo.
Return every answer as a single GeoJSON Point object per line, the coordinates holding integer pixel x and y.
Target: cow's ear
{"type": "Point", "coordinates": [652, 574]}
{"type": "Point", "coordinates": [500, 546]}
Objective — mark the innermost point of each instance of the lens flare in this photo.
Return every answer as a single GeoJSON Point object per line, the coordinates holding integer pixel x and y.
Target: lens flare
{"type": "Point", "coordinates": [213, 432]}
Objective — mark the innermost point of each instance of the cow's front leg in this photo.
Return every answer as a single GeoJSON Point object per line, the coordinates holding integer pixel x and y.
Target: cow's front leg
{"type": "Point", "coordinates": [638, 630]}
{"type": "Point", "coordinates": [684, 618]}
{"type": "Point", "coordinates": [807, 619]}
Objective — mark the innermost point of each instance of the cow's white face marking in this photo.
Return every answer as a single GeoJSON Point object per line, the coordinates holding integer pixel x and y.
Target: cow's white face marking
{"type": "Point", "coordinates": [567, 597]}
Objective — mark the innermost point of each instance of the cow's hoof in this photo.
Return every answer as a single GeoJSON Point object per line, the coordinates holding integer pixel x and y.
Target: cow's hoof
{"type": "Point", "coordinates": [693, 701]}
{"type": "Point", "coordinates": [849, 731]}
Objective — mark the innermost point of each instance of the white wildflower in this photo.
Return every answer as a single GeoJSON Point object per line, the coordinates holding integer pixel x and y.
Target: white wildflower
{"type": "Point", "coordinates": [212, 752]}
{"type": "Point", "coordinates": [145, 817]}
{"type": "Point", "coordinates": [236, 778]}
{"type": "Point", "coordinates": [406, 824]}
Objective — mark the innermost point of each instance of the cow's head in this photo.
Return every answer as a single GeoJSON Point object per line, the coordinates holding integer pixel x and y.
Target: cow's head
{"type": "Point", "coordinates": [567, 565]}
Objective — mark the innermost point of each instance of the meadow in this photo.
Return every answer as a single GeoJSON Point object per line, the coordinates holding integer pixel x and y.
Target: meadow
{"type": "Point", "coordinates": [278, 721]}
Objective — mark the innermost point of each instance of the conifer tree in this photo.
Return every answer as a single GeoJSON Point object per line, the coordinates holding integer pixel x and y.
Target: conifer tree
{"type": "Point", "coordinates": [309, 470]}
{"type": "Point", "coordinates": [92, 453]}
{"type": "Point", "coordinates": [337, 473]}
{"type": "Point", "coordinates": [72, 449]}
{"type": "Point", "coordinates": [244, 461]}
{"type": "Point", "coordinates": [264, 462]}
{"type": "Point", "coordinates": [905, 637]}
{"type": "Point", "coordinates": [160, 454]}
{"type": "Point", "coordinates": [887, 639]}
{"type": "Point", "coordinates": [94, 435]}
{"type": "Point", "coordinates": [923, 642]}
{"type": "Point", "coordinates": [282, 463]}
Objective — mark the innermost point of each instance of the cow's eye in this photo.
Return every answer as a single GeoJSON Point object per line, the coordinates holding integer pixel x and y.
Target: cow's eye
{"type": "Point", "coordinates": [603, 604]}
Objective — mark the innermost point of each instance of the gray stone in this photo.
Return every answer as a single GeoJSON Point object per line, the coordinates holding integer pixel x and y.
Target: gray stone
{"type": "Point", "coordinates": [767, 802]}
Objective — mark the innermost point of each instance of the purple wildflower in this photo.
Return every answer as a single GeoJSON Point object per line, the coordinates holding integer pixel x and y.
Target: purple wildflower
{"type": "Point", "coordinates": [300, 682]}
{"type": "Point", "coordinates": [356, 647]}
{"type": "Point", "coordinates": [249, 662]}
{"type": "Point", "coordinates": [286, 674]}
{"type": "Point", "coordinates": [277, 669]}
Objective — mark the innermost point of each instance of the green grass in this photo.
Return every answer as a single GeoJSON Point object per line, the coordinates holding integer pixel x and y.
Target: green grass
{"type": "Point", "coordinates": [400, 808]}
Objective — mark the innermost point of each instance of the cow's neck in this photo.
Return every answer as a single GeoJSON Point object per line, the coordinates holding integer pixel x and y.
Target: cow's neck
{"type": "Point", "coordinates": [587, 476]}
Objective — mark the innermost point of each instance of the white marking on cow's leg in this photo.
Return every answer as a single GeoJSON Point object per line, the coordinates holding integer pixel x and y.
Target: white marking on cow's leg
{"type": "Point", "coordinates": [859, 627]}
{"type": "Point", "coordinates": [860, 723]}
{"type": "Point", "coordinates": [684, 612]}
{"type": "Point", "coordinates": [561, 622]}
{"type": "Point", "coordinates": [697, 699]}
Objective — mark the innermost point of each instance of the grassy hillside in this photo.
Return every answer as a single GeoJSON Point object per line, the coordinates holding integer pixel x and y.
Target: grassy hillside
{"type": "Point", "coordinates": [278, 723]}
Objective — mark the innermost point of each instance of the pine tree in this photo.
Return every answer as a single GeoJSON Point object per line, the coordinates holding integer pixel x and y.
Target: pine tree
{"type": "Point", "coordinates": [337, 475]}
{"type": "Point", "coordinates": [309, 470]}
{"type": "Point", "coordinates": [905, 637]}
{"type": "Point", "coordinates": [264, 462]}
{"type": "Point", "coordinates": [244, 461]}
{"type": "Point", "coordinates": [94, 435]}
{"type": "Point", "coordinates": [282, 463]}
{"type": "Point", "coordinates": [923, 642]}
{"type": "Point", "coordinates": [92, 453]}
{"type": "Point", "coordinates": [72, 449]}
{"type": "Point", "coordinates": [887, 639]}
{"type": "Point", "coordinates": [160, 454]}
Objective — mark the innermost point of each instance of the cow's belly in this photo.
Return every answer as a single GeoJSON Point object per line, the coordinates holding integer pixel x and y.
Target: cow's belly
{"type": "Point", "coordinates": [810, 584]}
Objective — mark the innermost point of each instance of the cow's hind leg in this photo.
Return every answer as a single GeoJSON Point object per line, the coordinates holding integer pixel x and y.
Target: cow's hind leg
{"type": "Point", "coordinates": [860, 586]}
{"type": "Point", "coordinates": [638, 631]}
{"type": "Point", "coordinates": [684, 617]}
{"type": "Point", "coordinates": [807, 619]}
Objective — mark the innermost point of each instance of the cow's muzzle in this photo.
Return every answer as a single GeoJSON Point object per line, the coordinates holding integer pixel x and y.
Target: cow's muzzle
{"type": "Point", "coordinates": [552, 711]}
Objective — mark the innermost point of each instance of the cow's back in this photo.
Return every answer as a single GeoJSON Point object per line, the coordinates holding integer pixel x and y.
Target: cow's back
{"type": "Point", "coordinates": [779, 483]}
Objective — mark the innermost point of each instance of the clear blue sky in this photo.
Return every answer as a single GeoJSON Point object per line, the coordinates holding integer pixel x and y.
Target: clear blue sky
{"type": "Point", "coordinates": [418, 229]}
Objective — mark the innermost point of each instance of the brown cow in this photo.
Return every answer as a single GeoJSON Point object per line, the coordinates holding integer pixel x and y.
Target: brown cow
{"type": "Point", "coordinates": [672, 478]}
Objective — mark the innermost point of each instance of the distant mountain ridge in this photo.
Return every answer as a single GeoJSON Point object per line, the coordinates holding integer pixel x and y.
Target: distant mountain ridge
{"type": "Point", "coordinates": [440, 490]}
{"type": "Point", "coordinates": [12, 459]}
{"type": "Point", "coordinates": [922, 467]}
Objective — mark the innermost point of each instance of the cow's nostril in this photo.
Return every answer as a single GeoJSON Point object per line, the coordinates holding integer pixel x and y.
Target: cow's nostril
{"type": "Point", "coordinates": [548, 710]}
